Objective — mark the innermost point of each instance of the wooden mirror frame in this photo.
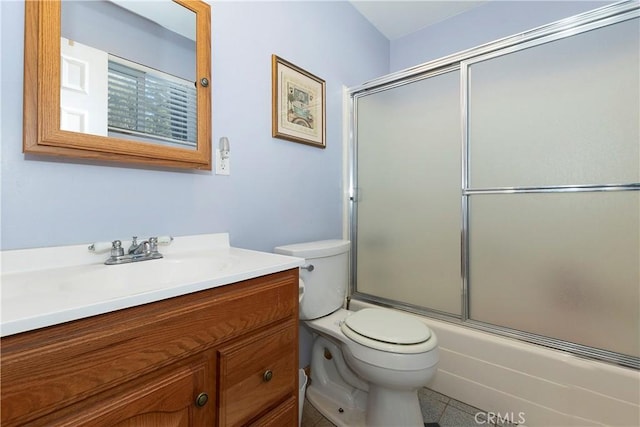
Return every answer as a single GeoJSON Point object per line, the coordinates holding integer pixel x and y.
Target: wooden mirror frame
{"type": "Point", "coordinates": [41, 126]}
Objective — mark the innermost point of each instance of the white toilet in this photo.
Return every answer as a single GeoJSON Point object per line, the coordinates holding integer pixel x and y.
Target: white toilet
{"type": "Point", "coordinates": [366, 366]}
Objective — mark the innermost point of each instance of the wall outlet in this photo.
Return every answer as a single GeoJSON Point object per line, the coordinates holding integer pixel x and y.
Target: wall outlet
{"type": "Point", "coordinates": [222, 165]}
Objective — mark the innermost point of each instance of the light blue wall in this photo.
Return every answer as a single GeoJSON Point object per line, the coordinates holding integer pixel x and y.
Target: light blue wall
{"type": "Point", "coordinates": [486, 23]}
{"type": "Point", "coordinates": [278, 192]}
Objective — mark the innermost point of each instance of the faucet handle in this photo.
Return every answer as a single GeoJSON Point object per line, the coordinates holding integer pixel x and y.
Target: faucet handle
{"type": "Point", "coordinates": [164, 240]}
{"type": "Point", "coordinates": [153, 244]}
{"type": "Point", "coordinates": [117, 249]}
{"type": "Point", "coordinates": [155, 241]}
{"type": "Point", "coordinates": [99, 247]}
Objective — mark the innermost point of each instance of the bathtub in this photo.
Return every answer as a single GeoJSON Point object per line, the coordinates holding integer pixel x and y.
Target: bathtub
{"type": "Point", "coordinates": [530, 384]}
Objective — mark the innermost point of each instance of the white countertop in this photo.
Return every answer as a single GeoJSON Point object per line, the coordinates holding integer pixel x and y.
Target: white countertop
{"type": "Point", "coordinates": [47, 286]}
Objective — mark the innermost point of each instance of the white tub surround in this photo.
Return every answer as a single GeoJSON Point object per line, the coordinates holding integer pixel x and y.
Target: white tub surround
{"type": "Point", "coordinates": [530, 384]}
{"type": "Point", "coordinates": [47, 286]}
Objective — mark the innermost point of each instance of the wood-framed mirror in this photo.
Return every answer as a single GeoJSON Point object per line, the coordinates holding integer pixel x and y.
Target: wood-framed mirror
{"type": "Point", "coordinates": [181, 139]}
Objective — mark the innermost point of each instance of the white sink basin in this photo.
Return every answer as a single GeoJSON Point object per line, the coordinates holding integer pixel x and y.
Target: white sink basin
{"type": "Point", "coordinates": [41, 292]}
{"type": "Point", "coordinates": [113, 280]}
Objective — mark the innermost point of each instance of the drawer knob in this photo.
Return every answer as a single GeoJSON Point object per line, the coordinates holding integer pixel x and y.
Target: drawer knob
{"type": "Point", "coordinates": [202, 400]}
{"type": "Point", "coordinates": [266, 377]}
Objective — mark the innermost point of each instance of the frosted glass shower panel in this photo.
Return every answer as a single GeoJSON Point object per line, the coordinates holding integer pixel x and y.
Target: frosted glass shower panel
{"type": "Point", "coordinates": [408, 179]}
{"type": "Point", "coordinates": [561, 265]}
{"type": "Point", "coordinates": [560, 113]}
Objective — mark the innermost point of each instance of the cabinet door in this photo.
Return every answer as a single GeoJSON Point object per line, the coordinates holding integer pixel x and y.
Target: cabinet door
{"type": "Point", "coordinates": [172, 399]}
{"type": "Point", "coordinates": [257, 373]}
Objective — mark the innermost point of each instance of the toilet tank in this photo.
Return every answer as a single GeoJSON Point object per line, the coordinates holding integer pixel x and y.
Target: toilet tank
{"type": "Point", "coordinates": [325, 286]}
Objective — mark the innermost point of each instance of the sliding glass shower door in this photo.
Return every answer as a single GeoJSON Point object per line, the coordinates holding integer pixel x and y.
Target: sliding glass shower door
{"type": "Point", "coordinates": [553, 150]}
{"type": "Point", "coordinates": [408, 210]}
{"type": "Point", "coordinates": [501, 189]}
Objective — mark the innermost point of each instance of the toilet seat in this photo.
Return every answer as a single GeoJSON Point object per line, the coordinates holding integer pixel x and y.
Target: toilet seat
{"type": "Point", "coordinates": [388, 330]}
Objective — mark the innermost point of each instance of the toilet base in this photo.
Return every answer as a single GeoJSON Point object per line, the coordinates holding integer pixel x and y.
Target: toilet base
{"type": "Point", "coordinates": [386, 409]}
{"type": "Point", "coordinates": [334, 411]}
{"type": "Point", "coordinates": [393, 408]}
{"type": "Point", "coordinates": [348, 401]}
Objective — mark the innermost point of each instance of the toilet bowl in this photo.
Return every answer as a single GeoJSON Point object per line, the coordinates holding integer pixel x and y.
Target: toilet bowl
{"type": "Point", "coordinates": [373, 387]}
{"type": "Point", "coordinates": [366, 366]}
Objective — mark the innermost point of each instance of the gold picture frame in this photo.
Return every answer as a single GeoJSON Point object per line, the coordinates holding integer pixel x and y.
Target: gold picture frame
{"type": "Point", "coordinates": [298, 104]}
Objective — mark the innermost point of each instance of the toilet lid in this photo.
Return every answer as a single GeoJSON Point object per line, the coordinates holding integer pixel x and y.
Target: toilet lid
{"type": "Point", "coordinates": [388, 326]}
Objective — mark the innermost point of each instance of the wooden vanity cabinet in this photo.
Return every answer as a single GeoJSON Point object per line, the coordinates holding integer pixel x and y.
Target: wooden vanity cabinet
{"type": "Point", "coordinates": [226, 356]}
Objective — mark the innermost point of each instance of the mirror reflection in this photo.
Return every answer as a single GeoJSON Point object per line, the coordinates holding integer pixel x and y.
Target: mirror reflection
{"type": "Point", "coordinates": [138, 83]}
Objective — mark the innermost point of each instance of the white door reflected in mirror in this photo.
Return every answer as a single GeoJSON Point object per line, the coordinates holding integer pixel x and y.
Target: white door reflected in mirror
{"type": "Point", "coordinates": [83, 88]}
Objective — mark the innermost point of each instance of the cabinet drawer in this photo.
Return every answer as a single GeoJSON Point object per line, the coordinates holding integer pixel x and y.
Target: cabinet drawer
{"type": "Point", "coordinates": [257, 373]}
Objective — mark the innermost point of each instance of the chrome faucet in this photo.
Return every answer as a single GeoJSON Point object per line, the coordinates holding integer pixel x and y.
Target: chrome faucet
{"type": "Point", "coordinates": [142, 247]}
{"type": "Point", "coordinates": [138, 251]}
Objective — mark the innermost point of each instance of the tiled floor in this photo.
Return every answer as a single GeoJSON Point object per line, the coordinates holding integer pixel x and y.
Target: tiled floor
{"type": "Point", "coordinates": [436, 408]}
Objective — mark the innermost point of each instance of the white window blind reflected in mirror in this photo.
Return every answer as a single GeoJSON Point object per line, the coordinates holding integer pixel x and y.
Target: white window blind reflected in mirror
{"type": "Point", "coordinates": [151, 104]}
{"type": "Point", "coordinates": [560, 265]}
{"type": "Point", "coordinates": [409, 206]}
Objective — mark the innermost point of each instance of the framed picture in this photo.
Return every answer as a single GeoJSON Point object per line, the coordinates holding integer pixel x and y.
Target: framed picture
{"type": "Point", "coordinates": [298, 104]}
